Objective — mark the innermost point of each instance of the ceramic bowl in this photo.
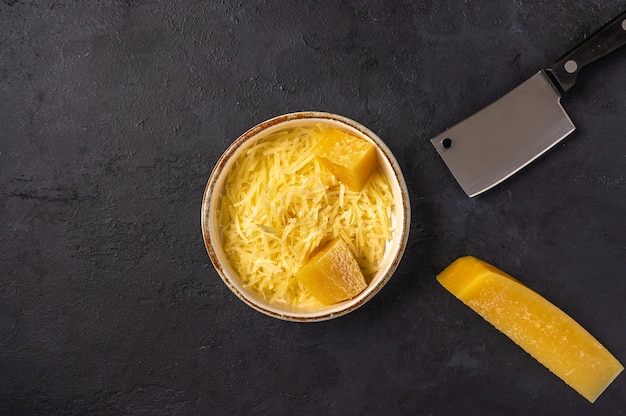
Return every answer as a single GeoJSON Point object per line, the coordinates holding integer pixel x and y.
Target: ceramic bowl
{"type": "Point", "coordinates": [212, 235]}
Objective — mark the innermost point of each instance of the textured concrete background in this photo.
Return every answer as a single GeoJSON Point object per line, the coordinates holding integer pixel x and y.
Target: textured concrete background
{"type": "Point", "coordinates": [112, 115]}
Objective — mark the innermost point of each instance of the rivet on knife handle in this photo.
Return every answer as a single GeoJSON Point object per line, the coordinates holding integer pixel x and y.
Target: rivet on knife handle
{"type": "Point", "coordinates": [605, 40]}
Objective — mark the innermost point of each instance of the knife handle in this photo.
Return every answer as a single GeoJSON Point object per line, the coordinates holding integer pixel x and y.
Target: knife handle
{"type": "Point", "coordinates": [602, 42]}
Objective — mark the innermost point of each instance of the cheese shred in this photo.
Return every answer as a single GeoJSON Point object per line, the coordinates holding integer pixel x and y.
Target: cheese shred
{"type": "Point", "coordinates": [279, 204]}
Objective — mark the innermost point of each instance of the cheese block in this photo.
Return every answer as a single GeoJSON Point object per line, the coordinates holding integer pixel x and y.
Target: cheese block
{"type": "Point", "coordinates": [332, 274]}
{"type": "Point", "coordinates": [548, 334]}
{"type": "Point", "coordinates": [351, 159]}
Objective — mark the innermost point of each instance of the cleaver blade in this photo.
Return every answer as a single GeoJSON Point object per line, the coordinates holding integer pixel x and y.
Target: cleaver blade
{"type": "Point", "coordinates": [495, 143]}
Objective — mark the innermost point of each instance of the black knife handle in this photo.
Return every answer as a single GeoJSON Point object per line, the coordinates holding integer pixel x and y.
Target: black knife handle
{"type": "Point", "coordinates": [602, 42]}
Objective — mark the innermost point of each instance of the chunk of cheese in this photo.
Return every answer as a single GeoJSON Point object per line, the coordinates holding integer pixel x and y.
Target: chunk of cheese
{"type": "Point", "coordinates": [279, 204]}
{"type": "Point", "coordinates": [351, 159]}
{"type": "Point", "coordinates": [543, 330]}
{"type": "Point", "coordinates": [332, 274]}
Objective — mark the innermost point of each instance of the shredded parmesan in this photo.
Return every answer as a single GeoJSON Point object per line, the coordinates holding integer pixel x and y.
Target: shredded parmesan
{"type": "Point", "coordinates": [280, 204]}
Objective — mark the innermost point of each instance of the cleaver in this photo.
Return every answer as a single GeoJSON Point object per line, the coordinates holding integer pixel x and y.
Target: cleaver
{"type": "Point", "coordinates": [495, 143]}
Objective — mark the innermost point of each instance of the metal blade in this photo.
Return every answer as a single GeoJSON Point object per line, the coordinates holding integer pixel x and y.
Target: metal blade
{"type": "Point", "coordinates": [493, 144]}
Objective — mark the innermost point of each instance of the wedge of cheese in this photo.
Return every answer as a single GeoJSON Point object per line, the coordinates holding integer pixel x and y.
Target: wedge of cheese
{"type": "Point", "coordinates": [332, 275]}
{"type": "Point", "coordinates": [351, 159]}
{"type": "Point", "coordinates": [543, 330]}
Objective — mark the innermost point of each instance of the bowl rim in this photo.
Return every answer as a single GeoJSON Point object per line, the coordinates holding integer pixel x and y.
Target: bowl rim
{"type": "Point", "coordinates": [210, 195]}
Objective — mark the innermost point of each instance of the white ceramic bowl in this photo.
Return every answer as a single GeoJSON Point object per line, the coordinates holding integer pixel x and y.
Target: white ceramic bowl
{"type": "Point", "coordinates": [212, 235]}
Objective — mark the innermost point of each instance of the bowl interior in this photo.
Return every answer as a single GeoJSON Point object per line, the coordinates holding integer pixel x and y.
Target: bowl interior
{"type": "Point", "coordinates": [213, 238]}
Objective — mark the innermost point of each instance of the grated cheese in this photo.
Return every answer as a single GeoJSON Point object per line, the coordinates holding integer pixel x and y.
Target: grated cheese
{"type": "Point", "coordinates": [280, 204]}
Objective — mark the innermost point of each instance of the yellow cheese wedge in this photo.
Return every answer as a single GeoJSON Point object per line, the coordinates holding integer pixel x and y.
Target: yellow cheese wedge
{"type": "Point", "coordinates": [543, 330]}
{"type": "Point", "coordinates": [332, 274]}
{"type": "Point", "coordinates": [351, 159]}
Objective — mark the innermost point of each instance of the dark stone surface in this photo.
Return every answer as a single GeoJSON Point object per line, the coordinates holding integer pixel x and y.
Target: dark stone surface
{"type": "Point", "coordinates": [112, 115]}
